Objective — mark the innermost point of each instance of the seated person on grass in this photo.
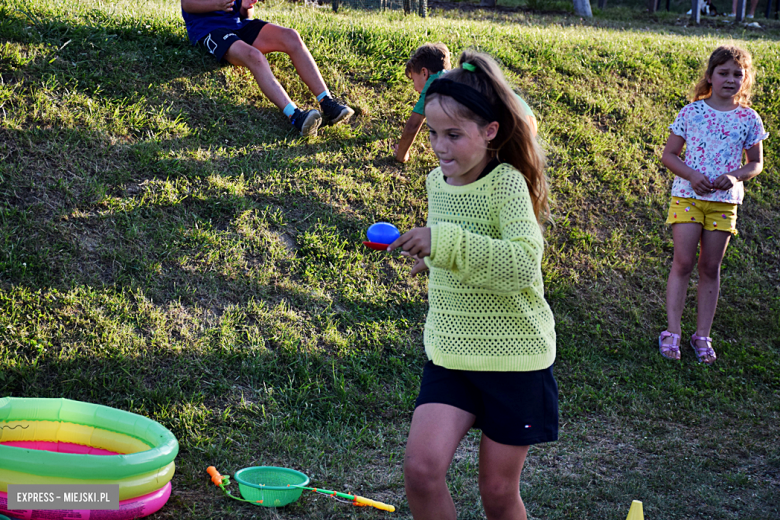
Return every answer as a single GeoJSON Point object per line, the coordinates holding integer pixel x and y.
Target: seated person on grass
{"type": "Point", "coordinates": [225, 29]}
{"type": "Point", "coordinates": [428, 62]}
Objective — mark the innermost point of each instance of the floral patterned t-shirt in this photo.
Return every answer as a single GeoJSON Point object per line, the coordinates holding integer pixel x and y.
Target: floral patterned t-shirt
{"type": "Point", "coordinates": [714, 141]}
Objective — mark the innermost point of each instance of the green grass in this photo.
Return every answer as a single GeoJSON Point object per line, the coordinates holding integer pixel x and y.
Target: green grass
{"type": "Point", "coordinates": [170, 247]}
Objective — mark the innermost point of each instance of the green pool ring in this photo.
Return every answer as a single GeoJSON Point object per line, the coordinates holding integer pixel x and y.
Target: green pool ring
{"type": "Point", "coordinates": [21, 412]}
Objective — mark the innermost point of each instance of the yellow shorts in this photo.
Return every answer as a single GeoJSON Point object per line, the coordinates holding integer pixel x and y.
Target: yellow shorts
{"type": "Point", "coordinates": [713, 216]}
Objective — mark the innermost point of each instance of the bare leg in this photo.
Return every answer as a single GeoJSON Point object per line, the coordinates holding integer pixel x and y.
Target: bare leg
{"type": "Point", "coordinates": [243, 54]}
{"type": "Point", "coordinates": [686, 242]}
{"type": "Point", "coordinates": [274, 38]}
{"type": "Point", "coordinates": [753, 5]}
{"type": "Point", "coordinates": [434, 435]}
{"type": "Point", "coordinates": [500, 466]}
{"type": "Point", "coordinates": [713, 248]}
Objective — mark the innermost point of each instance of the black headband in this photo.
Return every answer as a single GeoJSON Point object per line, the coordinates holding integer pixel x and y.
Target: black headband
{"type": "Point", "coordinates": [469, 97]}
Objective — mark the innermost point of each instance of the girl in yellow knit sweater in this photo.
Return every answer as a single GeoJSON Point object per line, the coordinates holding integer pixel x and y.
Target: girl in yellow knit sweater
{"type": "Point", "coordinates": [489, 335]}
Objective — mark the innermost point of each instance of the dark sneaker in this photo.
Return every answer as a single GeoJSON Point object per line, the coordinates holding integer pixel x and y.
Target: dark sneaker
{"type": "Point", "coordinates": [306, 122]}
{"type": "Point", "coordinates": [333, 111]}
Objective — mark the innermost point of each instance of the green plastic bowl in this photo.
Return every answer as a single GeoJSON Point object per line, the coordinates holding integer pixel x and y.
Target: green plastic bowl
{"type": "Point", "coordinates": [268, 485]}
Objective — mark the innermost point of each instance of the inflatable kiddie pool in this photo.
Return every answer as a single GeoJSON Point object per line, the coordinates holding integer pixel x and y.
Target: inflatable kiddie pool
{"type": "Point", "coordinates": [60, 441]}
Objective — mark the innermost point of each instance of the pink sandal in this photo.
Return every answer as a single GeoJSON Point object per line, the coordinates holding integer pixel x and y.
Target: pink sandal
{"type": "Point", "coordinates": [671, 348]}
{"type": "Point", "coordinates": [703, 352]}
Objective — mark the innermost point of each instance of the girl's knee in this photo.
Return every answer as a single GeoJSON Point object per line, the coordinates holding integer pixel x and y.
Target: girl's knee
{"type": "Point", "coordinates": [683, 265]}
{"type": "Point", "coordinates": [499, 497]}
{"type": "Point", "coordinates": [497, 483]}
{"type": "Point", "coordinates": [709, 268]}
{"type": "Point", "coordinates": [498, 489]}
{"type": "Point", "coordinates": [421, 472]}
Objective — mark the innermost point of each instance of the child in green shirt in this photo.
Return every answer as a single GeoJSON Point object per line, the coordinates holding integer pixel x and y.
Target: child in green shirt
{"type": "Point", "coordinates": [427, 63]}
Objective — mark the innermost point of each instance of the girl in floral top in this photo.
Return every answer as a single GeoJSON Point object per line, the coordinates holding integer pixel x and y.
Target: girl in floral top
{"type": "Point", "coordinates": [717, 129]}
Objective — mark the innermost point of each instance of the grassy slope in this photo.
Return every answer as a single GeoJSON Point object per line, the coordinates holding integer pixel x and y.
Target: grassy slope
{"type": "Point", "coordinates": [168, 246]}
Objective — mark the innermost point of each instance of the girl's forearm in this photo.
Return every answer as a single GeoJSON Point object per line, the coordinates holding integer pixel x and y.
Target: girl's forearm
{"type": "Point", "coordinates": [748, 171]}
{"type": "Point", "coordinates": [678, 167]}
{"type": "Point", "coordinates": [463, 254]}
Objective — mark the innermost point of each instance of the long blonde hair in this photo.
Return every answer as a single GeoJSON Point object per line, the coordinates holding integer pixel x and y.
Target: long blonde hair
{"type": "Point", "coordinates": [514, 143]}
{"type": "Point", "coordinates": [719, 56]}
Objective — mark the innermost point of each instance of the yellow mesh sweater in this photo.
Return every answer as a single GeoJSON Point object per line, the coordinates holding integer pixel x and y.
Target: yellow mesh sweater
{"type": "Point", "coordinates": [485, 292]}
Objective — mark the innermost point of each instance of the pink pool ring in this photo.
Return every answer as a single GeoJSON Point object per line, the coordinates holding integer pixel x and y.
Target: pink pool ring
{"type": "Point", "coordinates": [128, 509]}
{"type": "Point", "coordinates": [58, 447]}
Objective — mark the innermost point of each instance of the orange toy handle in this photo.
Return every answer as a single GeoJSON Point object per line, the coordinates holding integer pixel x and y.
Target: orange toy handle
{"type": "Point", "coordinates": [216, 478]}
{"type": "Point", "coordinates": [363, 501]}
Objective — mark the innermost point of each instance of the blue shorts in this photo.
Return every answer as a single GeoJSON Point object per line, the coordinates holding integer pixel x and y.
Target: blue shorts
{"type": "Point", "coordinates": [218, 41]}
{"type": "Point", "coordinates": [514, 408]}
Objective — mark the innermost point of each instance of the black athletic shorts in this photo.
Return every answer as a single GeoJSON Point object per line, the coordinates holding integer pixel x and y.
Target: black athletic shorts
{"type": "Point", "coordinates": [218, 41]}
{"type": "Point", "coordinates": [514, 408]}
